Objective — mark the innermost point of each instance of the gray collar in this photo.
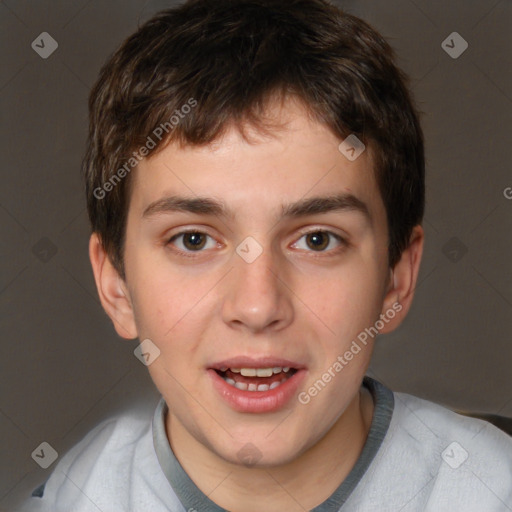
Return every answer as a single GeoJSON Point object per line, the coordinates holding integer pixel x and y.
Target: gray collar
{"type": "Point", "coordinates": [192, 498]}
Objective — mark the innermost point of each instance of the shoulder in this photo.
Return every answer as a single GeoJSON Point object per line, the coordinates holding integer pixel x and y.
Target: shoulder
{"type": "Point", "coordinates": [468, 461]}
{"type": "Point", "coordinates": [114, 439]}
{"type": "Point", "coordinates": [431, 421]}
{"type": "Point", "coordinates": [434, 460]}
{"type": "Point", "coordinates": [98, 467]}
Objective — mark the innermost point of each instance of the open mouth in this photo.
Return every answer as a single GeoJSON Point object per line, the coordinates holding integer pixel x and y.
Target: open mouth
{"type": "Point", "coordinates": [257, 385]}
{"type": "Point", "coordinates": [256, 379]}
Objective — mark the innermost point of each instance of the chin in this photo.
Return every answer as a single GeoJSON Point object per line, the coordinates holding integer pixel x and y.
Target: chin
{"type": "Point", "coordinates": [260, 452]}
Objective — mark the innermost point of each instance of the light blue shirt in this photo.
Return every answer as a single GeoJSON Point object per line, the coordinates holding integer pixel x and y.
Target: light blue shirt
{"type": "Point", "coordinates": [418, 457]}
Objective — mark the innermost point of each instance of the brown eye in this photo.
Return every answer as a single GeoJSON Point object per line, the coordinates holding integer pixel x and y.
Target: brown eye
{"type": "Point", "coordinates": [194, 241]}
{"type": "Point", "coordinates": [318, 240]}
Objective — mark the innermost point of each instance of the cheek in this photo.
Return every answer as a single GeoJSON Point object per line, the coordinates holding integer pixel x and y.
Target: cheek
{"type": "Point", "coordinates": [349, 300]}
{"type": "Point", "coordinates": [162, 299]}
{"type": "Point", "coordinates": [171, 314]}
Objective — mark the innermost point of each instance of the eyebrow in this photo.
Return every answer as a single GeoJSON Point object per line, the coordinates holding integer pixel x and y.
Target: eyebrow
{"type": "Point", "coordinates": [301, 208]}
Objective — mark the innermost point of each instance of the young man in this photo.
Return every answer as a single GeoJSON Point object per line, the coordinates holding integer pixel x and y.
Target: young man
{"type": "Point", "coordinates": [255, 184]}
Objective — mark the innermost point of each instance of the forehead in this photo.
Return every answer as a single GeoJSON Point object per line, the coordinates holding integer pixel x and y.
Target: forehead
{"type": "Point", "coordinates": [264, 173]}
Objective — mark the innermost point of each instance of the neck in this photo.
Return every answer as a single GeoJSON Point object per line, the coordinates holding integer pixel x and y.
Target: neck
{"type": "Point", "coordinates": [300, 485]}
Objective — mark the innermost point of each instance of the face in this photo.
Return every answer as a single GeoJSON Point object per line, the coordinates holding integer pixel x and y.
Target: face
{"type": "Point", "coordinates": [266, 255]}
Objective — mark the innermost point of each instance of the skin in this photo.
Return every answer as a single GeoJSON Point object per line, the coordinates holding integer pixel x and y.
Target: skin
{"type": "Point", "coordinates": [294, 301]}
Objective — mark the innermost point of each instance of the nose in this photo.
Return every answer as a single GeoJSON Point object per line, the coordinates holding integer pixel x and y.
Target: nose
{"type": "Point", "coordinates": [256, 297]}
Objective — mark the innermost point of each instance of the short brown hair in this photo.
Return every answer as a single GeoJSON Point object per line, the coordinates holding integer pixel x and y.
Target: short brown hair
{"type": "Point", "coordinates": [231, 57]}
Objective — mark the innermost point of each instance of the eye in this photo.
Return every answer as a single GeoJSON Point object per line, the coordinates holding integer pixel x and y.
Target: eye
{"type": "Point", "coordinates": [192, 241]}
{"type": "Point", "coordinates": [319, 241]}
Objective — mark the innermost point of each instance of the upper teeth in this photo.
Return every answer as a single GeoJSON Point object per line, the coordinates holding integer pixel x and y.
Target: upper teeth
{"type": "Point", "coordinates": [260, 372]}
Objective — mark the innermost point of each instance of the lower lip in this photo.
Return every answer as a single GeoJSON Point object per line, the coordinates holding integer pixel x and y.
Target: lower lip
{"type": "Point", "coordinates": [257, 401]}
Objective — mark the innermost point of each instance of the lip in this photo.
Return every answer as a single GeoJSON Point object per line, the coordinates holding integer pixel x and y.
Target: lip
{"type": "Point", "coordinates": [257, 401]}
{"type": "Point", "coordinates": [260, 362]}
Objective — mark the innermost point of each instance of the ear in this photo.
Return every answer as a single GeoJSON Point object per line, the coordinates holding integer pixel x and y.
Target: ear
{"type": "Point", "coordinates": [114, 295]}
{"type": "Point", "coordinates": [402, 283]}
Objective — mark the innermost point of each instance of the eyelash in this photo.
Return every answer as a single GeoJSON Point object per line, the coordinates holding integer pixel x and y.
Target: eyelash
{"type": "Point", "coordinates": [194, 254]}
